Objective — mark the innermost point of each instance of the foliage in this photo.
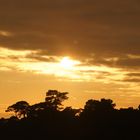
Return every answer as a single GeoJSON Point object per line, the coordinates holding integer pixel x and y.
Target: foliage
{"type": "Point", "coordinates": [20, 109]}
{"type": "Point", "coordinates": [102, 105]}
{"type": "Point", "coordinates": [98, 120]}
{"type": "Point", "coordinates": [55, 98]}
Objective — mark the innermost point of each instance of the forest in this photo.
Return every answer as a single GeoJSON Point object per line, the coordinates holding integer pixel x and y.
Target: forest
{"type": "Point", "coordinates": [49, 120]}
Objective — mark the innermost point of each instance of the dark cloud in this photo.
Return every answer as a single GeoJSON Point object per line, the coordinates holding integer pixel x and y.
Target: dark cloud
{"type": "Point", "coordinates": [130, 63]}
{"type": "Point", "coordinates": [134, 74]}
{"type": "Point", "coordinates": [134, 80]}
{"type": "Point", "coordinates": [38, 57]}
{"type": "Point", "coordinates": [132, 77]}
{"type": "Point", "coordinates": [74, 27]}
{"type": "Point", "coordinates": [120, 61]}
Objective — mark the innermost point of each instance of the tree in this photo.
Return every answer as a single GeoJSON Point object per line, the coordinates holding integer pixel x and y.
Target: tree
{"type": "Point", "coordinates": [36, 109]}
{"type": "Point", "coordinates": [70, 112]}
{"type": "Point", "coordinates": [107, 104]}
{"type": "Point", "coordinates": [20, 109]}
{"type": "Point", "coordinates": [139, 107]}
{"type": "Point", "coordinates": [101, 106]}
{"type": "Point", "coordinates": [55, 98]}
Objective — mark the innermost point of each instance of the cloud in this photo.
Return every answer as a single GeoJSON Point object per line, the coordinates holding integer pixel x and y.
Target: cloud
{"type": "Point", "coordinates": [134, 74]}
{"type": "Point", "coordinates": [134, 80]}
{"type": "Point", "coordinates": [5, 33]}
{"type": "Point", "coordinates": [133, 77]}
{"type": "Point", "coordinates": [122, 61]}
{"type": "Point", "coordinates": [101, 34]}
{"type": "Point", "coordinates": [34, 62]}
{"type": "Point", "coordinates": [105, 28]}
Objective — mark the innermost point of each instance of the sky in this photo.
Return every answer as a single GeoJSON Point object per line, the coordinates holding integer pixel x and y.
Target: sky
{"type": "Point", "coordinates": [89, 48]}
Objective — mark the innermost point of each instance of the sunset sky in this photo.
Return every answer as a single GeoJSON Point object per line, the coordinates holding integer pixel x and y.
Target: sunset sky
{"type": "Point", "coordinates": [89, 48]}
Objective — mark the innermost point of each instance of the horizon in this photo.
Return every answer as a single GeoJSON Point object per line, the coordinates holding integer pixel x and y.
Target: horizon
{"type": "Point", "coordinates": [66, 103]}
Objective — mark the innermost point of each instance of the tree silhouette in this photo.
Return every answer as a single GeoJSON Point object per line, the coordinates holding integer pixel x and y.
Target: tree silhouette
{"type": "Point", "coordinates": [52, 103]}
{"type": "Point", "coordinates": [98, 120]}
{"type": "Point", "coordinates": [69, 111]}
{"type": "Point", "coordinates": [55, 98]}
{"type": "Point", "coordinates": [104, 105]}
{"type": "Point", "coordinates": [20, 109]}
{"type": "Point", "coordinates": [107, 104]}
{"type": "Point", "coordinates": [139, 107]}
{"type": "Point", "coordinates": [36, 109]}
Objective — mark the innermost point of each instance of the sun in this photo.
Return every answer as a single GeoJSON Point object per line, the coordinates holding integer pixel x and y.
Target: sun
{"type": "Point", "coordinates": [67, 63]}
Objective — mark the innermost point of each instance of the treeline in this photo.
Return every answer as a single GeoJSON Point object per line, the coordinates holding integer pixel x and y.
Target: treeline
{"type": "Point", "coordinates": [49, 120]}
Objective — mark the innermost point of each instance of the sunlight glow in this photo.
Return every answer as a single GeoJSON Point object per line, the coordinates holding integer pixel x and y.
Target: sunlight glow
{"type": "Point", "coordinates": [64, 68]}
{"type": "Point", "coordinates": [4, 52]}
{"type": "Point", "coordinates": [68, 63]}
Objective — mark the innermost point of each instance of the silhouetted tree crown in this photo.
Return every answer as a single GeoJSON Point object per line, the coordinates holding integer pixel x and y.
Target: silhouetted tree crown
{"type": "Point", "coordinates": [102, 105]}
{"type": "Point", "coordinates": [99, 120]}
{"type": "Point", "coordinates": [20, 109]}
{"type": "Point", "coordinates": [55, 98]}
